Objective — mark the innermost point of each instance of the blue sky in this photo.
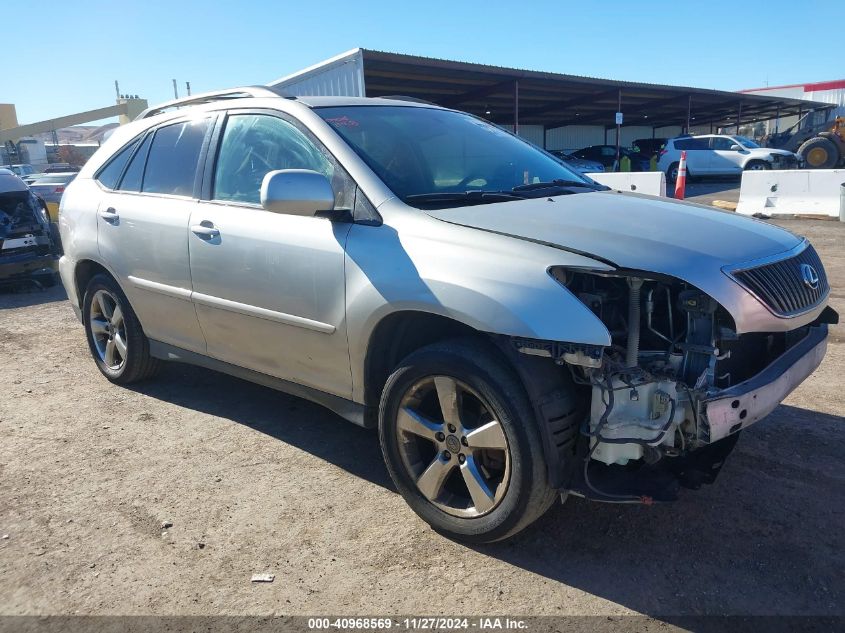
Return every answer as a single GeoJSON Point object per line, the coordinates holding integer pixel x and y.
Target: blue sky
{"type": "Point", "coordinates": [70, 52]}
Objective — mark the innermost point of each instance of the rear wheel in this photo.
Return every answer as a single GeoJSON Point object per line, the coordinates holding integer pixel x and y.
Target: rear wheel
{"type": "Point", "coordinates": [819, 153]}
{"type": "Point", "coordinates": [461, 444]}
{"type": "Point", "coordinates": [672, 172]}
{"type": "Point", "coordinates": [115, 338]}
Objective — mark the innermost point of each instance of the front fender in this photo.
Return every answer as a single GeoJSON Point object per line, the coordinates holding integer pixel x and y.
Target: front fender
{"type": "Point", "coordinates": [491, 283]}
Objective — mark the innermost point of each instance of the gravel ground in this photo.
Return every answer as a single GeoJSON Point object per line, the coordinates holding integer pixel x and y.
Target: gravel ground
{"type": "Point", "coordinates": [255, 481]}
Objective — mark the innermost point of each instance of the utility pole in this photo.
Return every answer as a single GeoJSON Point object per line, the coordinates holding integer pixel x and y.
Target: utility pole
{"type": "Point", "coordinates": [116, 90]}
{"type": "Point", "coordinates": [188, 87]}
{"type": "Point", "coordinates": [175, 90]}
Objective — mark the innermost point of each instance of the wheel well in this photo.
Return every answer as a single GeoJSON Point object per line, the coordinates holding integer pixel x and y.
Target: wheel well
{"type": "Point", "coordinates": [396, 336]}
{"type": "Point", "coordinates": [85, 270]}
{"type": "Point", "coordinates": [558, 406]}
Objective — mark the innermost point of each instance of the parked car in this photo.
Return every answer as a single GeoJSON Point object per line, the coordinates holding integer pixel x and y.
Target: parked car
{"type": "Point", "coordinates": [606, 155]}
{"type": "Point", "coordinates": [515, 330]}
{"type": "Point", "coordinates": [60, 168]}
{"type": "Point", "coordinates": [721, 155]}
{"type": "Point", "coordinates": [28, 254]}
{"type": "Point", "coordinates": [22, 169]}
{"type": "Point", "coordinates": [50, 187]}
{"type": "Point", "coordinates": [581, 165]}
{"type": "Point", "coordinates": [649, 147]}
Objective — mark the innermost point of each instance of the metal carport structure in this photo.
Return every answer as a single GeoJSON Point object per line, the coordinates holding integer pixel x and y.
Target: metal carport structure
{"type": "Point", "coordinates": [513, 97]}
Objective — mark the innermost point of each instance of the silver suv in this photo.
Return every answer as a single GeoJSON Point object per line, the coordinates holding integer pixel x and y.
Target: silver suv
{"type": "Point", "coordinates": [515, 331]}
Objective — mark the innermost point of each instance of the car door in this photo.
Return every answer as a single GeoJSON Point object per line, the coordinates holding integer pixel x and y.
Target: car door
{"type": "Point", "coordinates": [698, 151]}
{"type": "Point", "coordinates": [142, 230]}
{"type": "Point", "coordinates": [723, 159]}
{"type": "Point", "coordinates": [269, 288]}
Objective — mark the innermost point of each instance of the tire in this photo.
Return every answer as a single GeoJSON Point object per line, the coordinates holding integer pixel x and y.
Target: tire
{"type": "Point", "coordinates": [516, 490]}
{"type": "Point", "coordinates": [757, 165]}
{"type": "Point", "coordinates": [47, 280]}
{"type": "Point", "coordinates": [120, 349]}
{"type": "Point", "coordinates": [672, 172]}
{"type": "Point", "coordinates": [56, 237]}
{"type": "Point", "coordinates": [819, 153]}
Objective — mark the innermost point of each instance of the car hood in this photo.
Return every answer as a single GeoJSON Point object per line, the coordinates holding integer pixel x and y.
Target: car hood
{"type": "Point", "coordinates": [769, 150]}
{"type": "Point", "coordinates": [630, 230]}
{"type": "Point", "coordinates": [686, 241]}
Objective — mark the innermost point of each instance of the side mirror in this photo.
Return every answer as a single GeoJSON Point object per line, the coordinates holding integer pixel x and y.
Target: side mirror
{"type": "Point", "coordinates": [296, 192]}
{"type": "Point", "coordinates": [736, 148]}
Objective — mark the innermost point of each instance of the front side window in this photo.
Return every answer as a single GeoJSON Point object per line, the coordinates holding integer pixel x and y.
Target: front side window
{"type": "Point", "coordinates": [173, 158]}
{"type": "Point", "coordinates": [746, 142]}
{"type": "Point", "coordinates": [428, 156]}
{"type": "Point", "coordinates": [255, 144]}
{"type": "Point", "coordinates": [723, 143]}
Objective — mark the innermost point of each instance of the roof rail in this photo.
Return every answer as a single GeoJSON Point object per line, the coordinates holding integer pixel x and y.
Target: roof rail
{"type": "Point", "coordinates": [217, 95]}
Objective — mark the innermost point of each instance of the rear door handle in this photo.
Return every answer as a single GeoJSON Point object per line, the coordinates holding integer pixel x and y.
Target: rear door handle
{"type": "Point", "coordinates": [110, 215]}
{"type": "Point", "coordinates": [205, 231]}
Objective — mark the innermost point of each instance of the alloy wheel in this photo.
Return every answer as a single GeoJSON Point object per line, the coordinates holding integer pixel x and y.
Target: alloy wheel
{"type": "Point", "coordinates": [453, 447]}
{"type": "Point", "coordinates": [108, 329]}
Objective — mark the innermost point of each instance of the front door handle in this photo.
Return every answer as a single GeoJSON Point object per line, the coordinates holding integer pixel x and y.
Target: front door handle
{"type": "Point", "coordinates": [110, 215]}
{"type": "Point", "coordinates": [205, 231]}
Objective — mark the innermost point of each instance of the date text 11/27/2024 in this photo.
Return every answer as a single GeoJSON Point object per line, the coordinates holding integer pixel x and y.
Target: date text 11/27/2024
{"type": "Point", "coordinates": [418, 623]}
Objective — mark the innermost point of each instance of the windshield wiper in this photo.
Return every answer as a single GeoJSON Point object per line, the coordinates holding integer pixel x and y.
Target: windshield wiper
{"type": "Point", "coordinates": [551, 184]}
{"type": "Point", "coordinates": [473, 196]}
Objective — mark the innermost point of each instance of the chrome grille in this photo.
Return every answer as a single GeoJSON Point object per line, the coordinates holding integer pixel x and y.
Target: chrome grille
{"type": "Point", "coordinates": [781, 286]}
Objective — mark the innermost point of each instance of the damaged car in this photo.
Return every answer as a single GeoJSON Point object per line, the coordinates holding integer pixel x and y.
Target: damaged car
{"type": "Point", "coordinates": [28, 252]}
{"type": "Point", "coordinates": [515, 331]}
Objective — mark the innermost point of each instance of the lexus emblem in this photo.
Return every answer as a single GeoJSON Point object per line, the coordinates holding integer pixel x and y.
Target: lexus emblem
{"type": "Point", "coordinates": [810, 276]}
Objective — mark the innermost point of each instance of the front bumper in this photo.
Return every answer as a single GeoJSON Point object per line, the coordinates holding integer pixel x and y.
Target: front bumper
{"type": "Point", "coordinates": [26, 265]}
{"type": "Point", "coordinates": [738, 407]}
{"type": "Point", "coordinates": [780, 161]}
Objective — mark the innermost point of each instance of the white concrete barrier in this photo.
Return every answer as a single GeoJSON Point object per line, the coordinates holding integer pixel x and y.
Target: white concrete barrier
{"type": "Point", "coordinates": [650, 183]}
{"type": "Point", "coordinates": [791, 192]}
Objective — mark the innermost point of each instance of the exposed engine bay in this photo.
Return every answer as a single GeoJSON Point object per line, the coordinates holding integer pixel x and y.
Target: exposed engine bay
{"type": "Point", "coordinates": [647, 423]}
{"type": "Point", "coordinates": [27, 245]}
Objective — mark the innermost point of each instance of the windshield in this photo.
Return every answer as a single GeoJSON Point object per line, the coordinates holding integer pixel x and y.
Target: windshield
{"type": "Point", "coordinates": [747, 142]}
{"type": "Point", "coordinates": [428, 156]}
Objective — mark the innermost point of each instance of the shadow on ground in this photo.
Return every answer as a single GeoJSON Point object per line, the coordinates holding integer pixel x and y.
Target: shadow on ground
{"type": "Point", "coordinates": [294, 421]}
{"type": "Point", "coordinates": [705, 190]}
{"type": "Point", "coordinates": [20, 296]}
{"type": "Point", "coordinates": [741, 546]}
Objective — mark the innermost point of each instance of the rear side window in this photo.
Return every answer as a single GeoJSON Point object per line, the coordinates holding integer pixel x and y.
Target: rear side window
{"type": "Point", "coordinates": [110, 174]}
{"type": "Point", "coordinates": [691, 143]}
{"type": "Point", "coordinates": [173, 158]}
{"type": "Point", "coordinates": [135, 172]}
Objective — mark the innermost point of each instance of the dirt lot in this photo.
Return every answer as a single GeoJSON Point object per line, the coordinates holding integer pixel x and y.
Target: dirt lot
{"type": "Point", "coordinates": [256, 481]}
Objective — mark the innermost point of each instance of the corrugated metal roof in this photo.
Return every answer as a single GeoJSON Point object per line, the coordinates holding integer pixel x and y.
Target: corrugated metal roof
{"type": "Point", "coordinates": [545, 98]}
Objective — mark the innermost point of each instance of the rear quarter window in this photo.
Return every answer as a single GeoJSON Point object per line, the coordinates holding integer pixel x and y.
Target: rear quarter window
{"type": "Point", "coordinates": [109, 175]}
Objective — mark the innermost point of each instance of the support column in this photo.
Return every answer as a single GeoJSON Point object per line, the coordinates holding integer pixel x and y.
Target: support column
{"type": "Point", "coordinates": [618, 130]}
{"type": "Point", "coordinates": [738, 117]}
{"type": "Point", "coordinates": [689, 112]}
{"type": "Point", "coordinates": [516, 107]}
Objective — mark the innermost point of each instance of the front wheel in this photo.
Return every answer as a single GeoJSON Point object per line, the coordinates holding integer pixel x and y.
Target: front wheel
{"type": "Point", "coordinates": [757, 165]}
{"type": "Point", "coordinates": [461, 444]}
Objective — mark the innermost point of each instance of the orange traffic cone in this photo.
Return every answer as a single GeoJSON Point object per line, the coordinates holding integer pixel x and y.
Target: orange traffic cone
{"type": "Point", "coordinates": [681, 181]}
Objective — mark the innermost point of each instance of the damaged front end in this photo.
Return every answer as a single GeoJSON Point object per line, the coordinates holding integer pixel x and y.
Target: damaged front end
{"type": "Point", "coordinates": [28, 252]}
{"type": "Point", "coordinates": [663, 405]}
